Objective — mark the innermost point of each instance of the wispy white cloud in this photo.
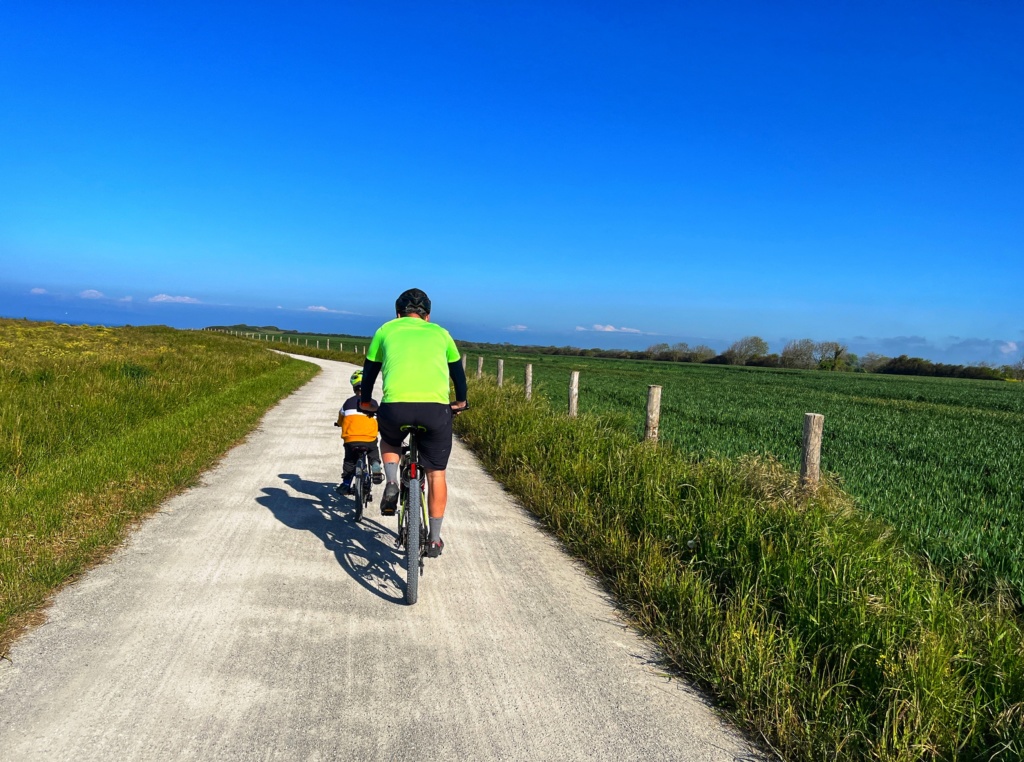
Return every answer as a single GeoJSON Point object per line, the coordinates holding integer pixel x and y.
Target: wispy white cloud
{"type": "Point", "coordinates": [515, 328]}
{"type": "Point", "coordinates": [328, 309]}
{"type": "Point", "coordinates": [174, 299]}
{"type": "Point", "coordinates": [39, 291]}
{"type": "Point", "coordinates": [1009, 347]}
{"type": "Point", "coordinates": [91, 293]}
{"type": "Point", "coordinates": [125, 299]}
{"type": "Point", "coordinates": [609, 329]}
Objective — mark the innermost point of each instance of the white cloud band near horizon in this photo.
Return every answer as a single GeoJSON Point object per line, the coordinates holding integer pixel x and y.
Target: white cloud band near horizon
{"type": "Point", "coordinates": [91, 293]}
{"type": "Point", "coordinates": [321, 308]}
{"type": "Point", "coordinates": [516, 327]}
{"type": "Point", "coordinates": [611, 329]}
{"type": "Point", "coordinates": [168, 299]}
{"type": "Point", "coordinates": [39, 291]}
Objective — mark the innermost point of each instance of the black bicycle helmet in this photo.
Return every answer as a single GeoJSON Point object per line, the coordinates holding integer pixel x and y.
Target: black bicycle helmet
{"type": "Point", "coordinates": [413, 300]}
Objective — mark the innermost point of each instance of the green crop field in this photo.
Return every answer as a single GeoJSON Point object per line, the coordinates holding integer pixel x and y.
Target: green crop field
{"type": "Point", "coordinates": [942, 460]}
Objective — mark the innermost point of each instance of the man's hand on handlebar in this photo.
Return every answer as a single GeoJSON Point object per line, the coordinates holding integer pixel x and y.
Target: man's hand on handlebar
{"type": "Point", "coordinates": [370, 408]}
{"type": "Point", "coordinates": [459, 407]}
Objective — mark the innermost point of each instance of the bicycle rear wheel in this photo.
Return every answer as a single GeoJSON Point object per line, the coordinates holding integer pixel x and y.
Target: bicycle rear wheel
{"type": "Point", "coordinates": [359, 491]}
{"type": "Point", "coordinates": [412, 545]}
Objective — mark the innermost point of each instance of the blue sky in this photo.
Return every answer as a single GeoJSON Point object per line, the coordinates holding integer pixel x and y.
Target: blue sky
{"type": "Point", "coordinates": [672, 171]}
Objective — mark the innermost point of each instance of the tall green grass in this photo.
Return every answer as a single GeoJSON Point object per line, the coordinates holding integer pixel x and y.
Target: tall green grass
{"type": "Point", "coordinates": [98, 425]}
{"type": "Point", "coordinates": [811, 622]}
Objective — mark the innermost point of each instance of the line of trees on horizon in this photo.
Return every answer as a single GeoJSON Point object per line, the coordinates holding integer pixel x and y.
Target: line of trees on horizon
{"type": "Point", "coordinates": [803, 354]}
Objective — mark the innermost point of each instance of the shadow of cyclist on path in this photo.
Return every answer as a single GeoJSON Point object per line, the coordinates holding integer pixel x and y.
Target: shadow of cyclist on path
{"type": "Point", "coordinates": [365, 550]}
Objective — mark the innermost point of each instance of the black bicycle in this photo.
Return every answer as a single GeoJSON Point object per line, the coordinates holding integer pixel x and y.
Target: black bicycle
{"type": "Point", "coordinates": [362, 482]}
{"type": "Point", "coordinates": [412, 514]}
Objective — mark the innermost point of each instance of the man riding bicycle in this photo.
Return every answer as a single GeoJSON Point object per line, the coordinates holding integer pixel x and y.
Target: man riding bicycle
{"type": "Point", "coordinates": [417, 359]}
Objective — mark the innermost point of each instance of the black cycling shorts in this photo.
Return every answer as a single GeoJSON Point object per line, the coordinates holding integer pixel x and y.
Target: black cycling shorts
{"type": "Point", "coordinates": [435, 442]}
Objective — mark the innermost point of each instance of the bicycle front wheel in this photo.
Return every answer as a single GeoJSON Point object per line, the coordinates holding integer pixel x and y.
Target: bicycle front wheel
{"type": "Point", "coordinates": [412, 546]}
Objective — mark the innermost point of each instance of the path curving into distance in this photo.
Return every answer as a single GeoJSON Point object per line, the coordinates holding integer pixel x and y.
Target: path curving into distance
{"type": "Point", "coordinates": [251, 619]}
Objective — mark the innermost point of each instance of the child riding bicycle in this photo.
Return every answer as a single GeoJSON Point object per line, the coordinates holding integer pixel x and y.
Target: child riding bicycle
{"type": "Point", "coordinates": [359, 431]}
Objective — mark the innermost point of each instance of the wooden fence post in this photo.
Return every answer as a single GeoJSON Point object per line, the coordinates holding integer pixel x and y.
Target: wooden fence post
{"type": "Point", "coordinates": [810, 464]}
{"type": "Point", "coordinates": [501, 372]}
{"type": "Point", "coordinates": [480, 366]}
{"type": "Point", "coordinates": [653, 413]}
{"type": "Point", "coordinates": [529, 380]}
{"type": "Point", "coordinates": [364, 350]}
{"type": "Point", "coordinates": [318, 343]}
{"type": "Point", "coordinates": [574, 393]}
{"type": "Point", "coordinates": [464, 363]}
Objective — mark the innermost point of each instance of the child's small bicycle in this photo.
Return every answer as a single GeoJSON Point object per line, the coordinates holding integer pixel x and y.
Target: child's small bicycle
{"type": "Point", "coordinates": [362, 482]}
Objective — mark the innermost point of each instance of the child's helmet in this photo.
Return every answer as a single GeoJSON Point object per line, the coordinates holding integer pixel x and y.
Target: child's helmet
{"type": "Point", "coordinates": [357, 378]}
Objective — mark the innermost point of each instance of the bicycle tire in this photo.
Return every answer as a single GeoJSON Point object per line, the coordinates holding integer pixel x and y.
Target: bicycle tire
{"type": "Point", "coordinates": [412, 545]}
{"type": "Point", "coordinates": [358, 490]}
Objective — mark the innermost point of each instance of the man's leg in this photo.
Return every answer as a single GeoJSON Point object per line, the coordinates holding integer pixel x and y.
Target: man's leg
{"type": "Point", "coordinates": [435, 448]}
{"type": "Point", "coordinates": [391, 455]}
{"type": "Point", "coordinates": [437, 494]}
{"type": "Point", "coordinates": [437, 499]}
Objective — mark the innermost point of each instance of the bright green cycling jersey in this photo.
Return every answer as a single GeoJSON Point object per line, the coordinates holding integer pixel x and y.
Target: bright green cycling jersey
{"type": "Point", "coordinates": [415, 356]}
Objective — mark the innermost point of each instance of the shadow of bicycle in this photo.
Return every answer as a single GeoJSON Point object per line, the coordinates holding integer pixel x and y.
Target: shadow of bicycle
{"type": "Point", "coordinates": [365, 550]}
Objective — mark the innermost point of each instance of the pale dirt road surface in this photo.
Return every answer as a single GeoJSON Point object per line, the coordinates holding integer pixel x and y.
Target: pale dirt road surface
{"type": "Point", "coordinates": [251, 619]}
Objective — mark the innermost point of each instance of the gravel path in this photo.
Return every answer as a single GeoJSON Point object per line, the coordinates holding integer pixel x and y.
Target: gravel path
{"type": "Point", "coordinates": [251, 619]}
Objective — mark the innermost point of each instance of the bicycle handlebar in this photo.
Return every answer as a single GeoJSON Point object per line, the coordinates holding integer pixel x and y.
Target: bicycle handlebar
{"type": "Point", "coordinates": [372, 411]}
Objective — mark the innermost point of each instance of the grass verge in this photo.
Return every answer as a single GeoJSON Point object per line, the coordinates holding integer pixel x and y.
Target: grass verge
{"type": "Point", "coordinates": [100, 426]}
{"type": "Point", "coordinates": [810, 622]}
